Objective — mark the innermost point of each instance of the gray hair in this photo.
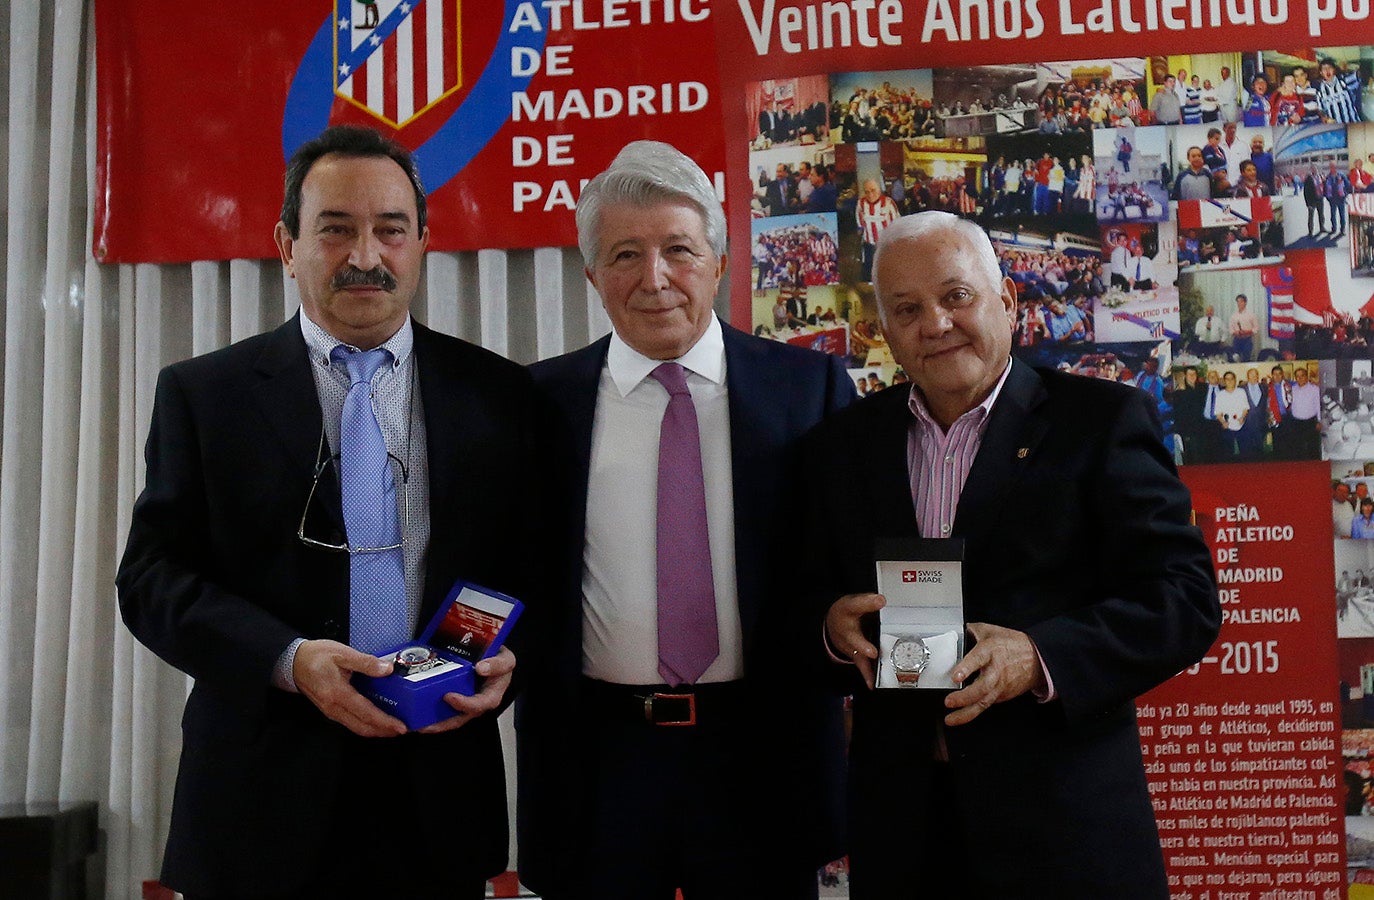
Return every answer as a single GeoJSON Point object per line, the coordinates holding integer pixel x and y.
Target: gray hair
{"type": "Point", "coordinates": [924, 223]}
{"type": "Point", "coordinates": [643, 174]}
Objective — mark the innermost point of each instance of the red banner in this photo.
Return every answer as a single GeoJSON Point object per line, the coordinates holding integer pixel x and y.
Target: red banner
{"type": "Point", "coordinates": [509, 107]}
{"type": "Point", "coordinates": [1243, 751]}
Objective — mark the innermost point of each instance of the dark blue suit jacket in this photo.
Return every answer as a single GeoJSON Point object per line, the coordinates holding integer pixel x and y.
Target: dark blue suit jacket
{"type": "Point", "coordinates": [776, 393]}
{"type": "Point", "coordinates": [1078, 532]}
{"type": "Point", "coordinates": [215, 582]}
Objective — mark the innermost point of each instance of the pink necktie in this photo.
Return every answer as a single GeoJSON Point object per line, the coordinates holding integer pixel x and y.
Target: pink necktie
{"type": "Point", "coordinates": [687, 638]}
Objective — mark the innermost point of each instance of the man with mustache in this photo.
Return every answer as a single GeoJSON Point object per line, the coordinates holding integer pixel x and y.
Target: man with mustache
{"type": "Point", "coordinates": [312, 495]}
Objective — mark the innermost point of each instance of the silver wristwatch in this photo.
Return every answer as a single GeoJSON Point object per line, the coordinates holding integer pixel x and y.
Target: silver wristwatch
{"type": "Point", "coordinates": [909, 658]}
{"type": "Point", "coordinates": [413, 660]}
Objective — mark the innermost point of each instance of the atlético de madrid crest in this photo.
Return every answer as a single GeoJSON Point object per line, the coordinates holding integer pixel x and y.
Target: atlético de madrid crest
{"type": "Point", "coordinates": [396, 58]}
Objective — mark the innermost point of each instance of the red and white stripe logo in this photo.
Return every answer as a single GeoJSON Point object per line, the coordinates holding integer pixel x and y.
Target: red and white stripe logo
{"type": "Point", "coordinates": [396, 58]}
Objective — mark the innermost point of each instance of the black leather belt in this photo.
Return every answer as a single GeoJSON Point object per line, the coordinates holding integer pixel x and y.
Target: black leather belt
{"type": "Point", "coordinates": [659, 704]}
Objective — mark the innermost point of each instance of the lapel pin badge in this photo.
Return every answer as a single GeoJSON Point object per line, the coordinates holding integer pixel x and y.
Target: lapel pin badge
{"type": "Point", "coordinates": [1021, 453]}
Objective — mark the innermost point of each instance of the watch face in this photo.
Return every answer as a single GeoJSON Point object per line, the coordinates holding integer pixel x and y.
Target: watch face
{"type": "Point", "coordinates": [413, 656]}
{"type": "Point", "coordinates": [413, 660]}
{"type": "Point", "coordinates": [910, 655]}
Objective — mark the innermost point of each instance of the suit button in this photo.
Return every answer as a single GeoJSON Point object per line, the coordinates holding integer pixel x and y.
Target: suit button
{"type": "Point", "coordinates": [331, 629]}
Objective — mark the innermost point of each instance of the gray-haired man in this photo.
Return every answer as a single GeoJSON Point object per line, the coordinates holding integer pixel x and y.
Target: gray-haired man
{"type": "Point", "coordinates": [641, 774]}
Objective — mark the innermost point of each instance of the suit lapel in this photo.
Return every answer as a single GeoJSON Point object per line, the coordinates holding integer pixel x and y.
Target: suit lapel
{"type": "Point", "coordinates": [885, 461]}
{"type": "Point", "coordinates": [577, 398]}
{"type": "Point", "coordinates": [453, 409]}
{"type": "Point", "coordinates": [286, 396]}
{"type": "Point", "coordinates": [1014, 432]}
{"type": "Point", "coordinates": [571, 384]}
{"type": "Point", "coordinates": [757, 395]}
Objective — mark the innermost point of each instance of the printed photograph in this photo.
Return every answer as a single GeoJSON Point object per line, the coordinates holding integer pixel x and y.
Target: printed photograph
{"type": "Point", "coordinates": [1333, 309]}
{"type": "Point", "coordinates": [1082, 95]}
{"type": "Point", "coordinates": [1228, 412]}
{"type": "Point", "coordinates": [988, 99]}
{"type": "Point", "coordinates": [1347, 413]}
{"type": "Point", "coordinates": [942, 173]}
{"type": "Point", "coordinates": [1132, 173]}
{"type": "Point", "coordinates": [1354, 558]}
{"type": "Point", "coordinates": [1311, 165]}
{"type": "Point", "coordinates": [1140, 256]}
{"type": "Point", "coordinates": [1041, 175]}
{"type": "Point", "coordinates": [786, 111]}
{"type": "Point", "coordinates": [1058, 281]}
{"type": "Point", "coordinates": [881, 106]}
{"type": "Point", "coordinates": [1228, 234]}
{"type": "Point", "coordinates": [1193, 89]}
{"type": "Point", "coordinates": [1235, 315]}
{"type": "Point", "coordinates": [796, 263]}
{"type": "Point", "coordinates": [1308, 86]}
{"type": "Point", "coordinates": [793, 180]}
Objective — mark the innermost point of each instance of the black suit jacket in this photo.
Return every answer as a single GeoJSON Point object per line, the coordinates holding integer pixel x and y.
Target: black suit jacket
{"type": "Point", "coordinates": [215, 582]}
{"type": "Point", "coordinates": [767, 123]}
{"type": "Point", "coordinates": [776, 393]}
{"type": "Point", "coordinates": [776, 195]}
{"type": "Point", "coordinates": [1077, 531]}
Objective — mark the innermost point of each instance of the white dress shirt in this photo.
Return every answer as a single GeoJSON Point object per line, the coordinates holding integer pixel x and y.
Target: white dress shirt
{"type": "Point", "coordinates": [1228, 99]}
{"type": "Point", "coordinates": [1210, 329]}
{"type": "Point", "coordinates": [1120, 256]}
{"type": "Point", "coordinates": [620, 559]}
{"type": "Point", "coordinates": [1140, 268]}
{"type": "Point", "coordinates": [1235, 406]}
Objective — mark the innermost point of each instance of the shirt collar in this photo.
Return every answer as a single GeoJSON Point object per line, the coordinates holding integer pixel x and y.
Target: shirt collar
{"type": "Point", "coordinates": [629, 367]}
{"type": "Point", "coordinates": [917, 403]}
{"type": "Point", "coordinates": [320, 343]}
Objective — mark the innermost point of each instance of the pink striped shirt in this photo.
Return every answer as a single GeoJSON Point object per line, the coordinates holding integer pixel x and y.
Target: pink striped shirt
{"type": "Point", "coordinates": [938, 461]}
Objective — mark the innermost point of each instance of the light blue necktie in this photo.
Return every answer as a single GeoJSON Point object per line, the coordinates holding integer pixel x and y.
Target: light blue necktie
{"type": "Point", "coordinates": [377, 583]}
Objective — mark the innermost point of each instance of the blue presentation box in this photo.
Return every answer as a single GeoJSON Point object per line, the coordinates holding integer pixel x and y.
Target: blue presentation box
{"type": "Point", "coordinates": [472, 623]}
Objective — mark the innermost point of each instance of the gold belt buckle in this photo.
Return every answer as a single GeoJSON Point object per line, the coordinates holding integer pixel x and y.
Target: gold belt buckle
{"type": "Point", "coordinates": [691, 718]}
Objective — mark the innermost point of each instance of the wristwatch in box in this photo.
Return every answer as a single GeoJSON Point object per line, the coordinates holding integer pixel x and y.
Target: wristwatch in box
{"type": "Point", "coordinates": [909, 657]}
{"type": "Point", "coordinates": [413, 660]}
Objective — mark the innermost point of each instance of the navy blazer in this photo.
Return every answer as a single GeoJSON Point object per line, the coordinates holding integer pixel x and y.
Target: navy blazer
{"type": "Point", "coordinates": [215, 582]}
{"type": "Point", "coordinates": [776, 394]}
{"type": "Point", "coordinates": [1077, 531]}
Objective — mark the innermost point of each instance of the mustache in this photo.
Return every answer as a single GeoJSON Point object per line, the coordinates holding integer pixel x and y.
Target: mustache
{"type": "Point", "coordinates": [355, 277]}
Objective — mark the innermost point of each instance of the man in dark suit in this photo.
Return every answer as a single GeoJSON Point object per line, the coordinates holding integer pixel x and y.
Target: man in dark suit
{"type": "Point", "coordinates": [636, 777]}
{"type": "Point", "coordinates": [770, 120]}
{"type": "Point", "coordinates": [778, 194]}
{"type": "Point", "coordinates": [239, 564]}
{"type": "Point", "coordinates": [1084, 584]}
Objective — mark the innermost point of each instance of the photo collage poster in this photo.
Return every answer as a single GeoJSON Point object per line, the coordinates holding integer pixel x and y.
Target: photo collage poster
{"type": "Point", "coordinates": [1199, 226]}
{"type": "Point", "coordinates": [1213, 213]}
